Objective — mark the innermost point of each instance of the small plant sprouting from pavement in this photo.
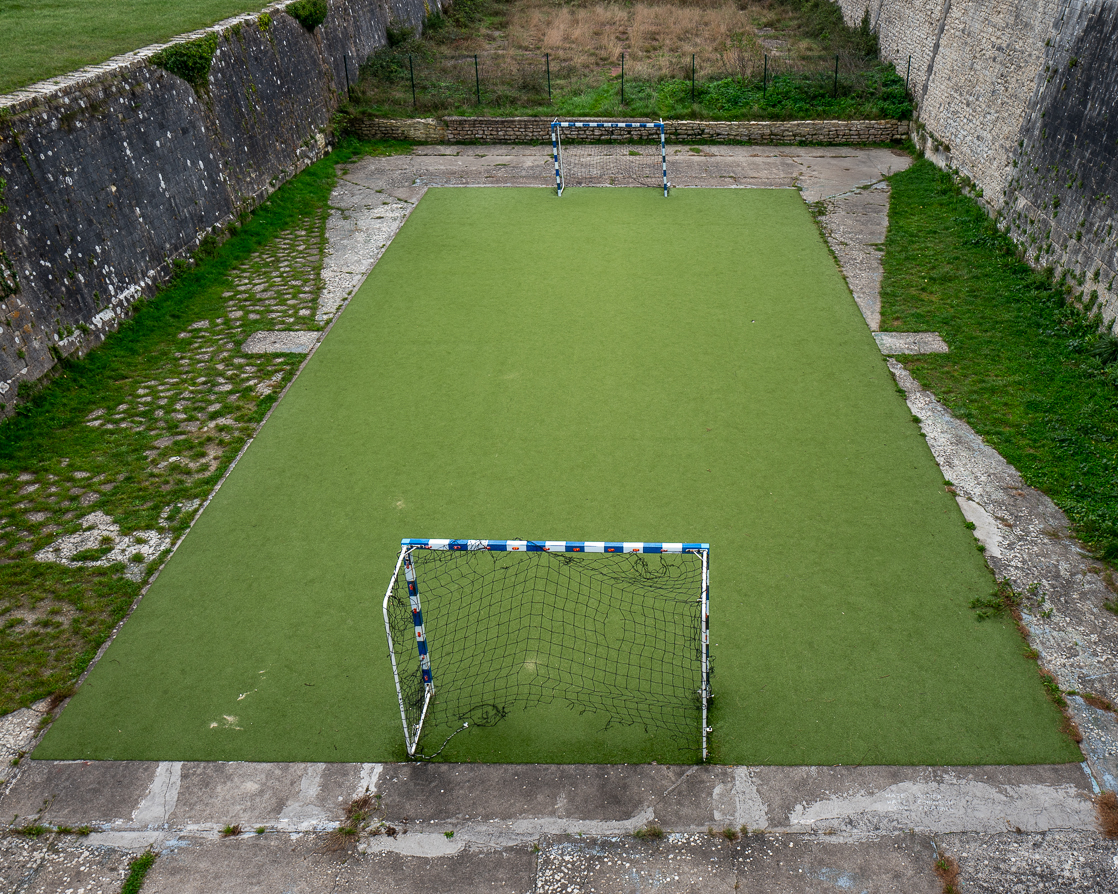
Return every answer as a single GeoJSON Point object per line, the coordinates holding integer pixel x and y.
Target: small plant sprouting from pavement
{"type": "Point", "coordinates": [231, 831]}
{"type": "Point", "coordinates": [137, 872]}
{"type": "Point", "coordinates": [360, 816]}
{"type": "Point", "coordinates": [1106, 808]}
{"type": "Point", "coordinates": [649, 832]}
{"type": "Point", "coordinates": [731, 834]}
{"type": "Point", "coordinates": [947, 868]}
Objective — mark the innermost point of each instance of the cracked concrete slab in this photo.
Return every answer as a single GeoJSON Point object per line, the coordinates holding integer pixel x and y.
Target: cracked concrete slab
{"type": "Point", "coordinates": [910, 342]}
{"type": "Point", "coordinates": [1033, 864]}
{"type": "Point", "coordinates": [713, 861]}
{"type": "Point", "coordinates": [297, 341]}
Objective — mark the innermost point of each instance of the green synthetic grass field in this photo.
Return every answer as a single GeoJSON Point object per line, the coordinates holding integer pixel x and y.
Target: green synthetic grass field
{"type": "Point", "coordinates": [609, 365]}
{"type": "Point", "coordinates": [54, 37]}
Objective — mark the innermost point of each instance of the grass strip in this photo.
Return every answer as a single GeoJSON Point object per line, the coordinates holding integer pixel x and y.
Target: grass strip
{"type": "Point", "coordinates": [1028, 369]}
{"type": "Point", "coordinates": [141, 430]}
{"type": "Point", "coordinates": [42, 40]}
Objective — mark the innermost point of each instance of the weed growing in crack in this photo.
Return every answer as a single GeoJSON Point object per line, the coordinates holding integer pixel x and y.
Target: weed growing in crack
{"type": "Point", "coordinates": [947, 868]}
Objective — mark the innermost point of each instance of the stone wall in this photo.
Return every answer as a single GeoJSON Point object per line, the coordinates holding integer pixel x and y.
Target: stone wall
{"type": "Point", "coordinates": [112, 173]}
{"type": "Point", "coordinates": [538, 130]}
{"type": "Point", "coordinates": [1019, 96]}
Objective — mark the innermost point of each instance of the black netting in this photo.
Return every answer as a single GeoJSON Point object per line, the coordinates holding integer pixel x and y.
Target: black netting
{"type": "Point", "coordinates": [618, 634]}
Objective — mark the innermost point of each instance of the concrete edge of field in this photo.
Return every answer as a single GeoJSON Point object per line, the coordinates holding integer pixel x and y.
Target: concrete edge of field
{"type": "Point", "coordinates": [567, 828]}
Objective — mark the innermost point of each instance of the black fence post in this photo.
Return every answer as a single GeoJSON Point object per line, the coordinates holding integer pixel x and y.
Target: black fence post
{"type": "Point", "coordinates": [622, 79]}
{"type": "Point", "coordinates": [477, 80]}
{"type": "Point", "coordinates": [906, 74]}
{"type": "Point", "coordinates": [836, 76]}
{"type": "Point", "coordinates": [411, 72]}
{"type": "Point", "coordinates": [692, 79]}
{"type": "Point", "coordinates": [547, 62]}
{"type": "Point", "coordinates": [765, 79]}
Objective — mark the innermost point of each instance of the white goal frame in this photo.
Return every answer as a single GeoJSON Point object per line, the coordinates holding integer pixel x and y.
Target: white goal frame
{"type": "Point", "coordinates": [558, 126]}
{"type": "Point", "coordinates": [413, 729]}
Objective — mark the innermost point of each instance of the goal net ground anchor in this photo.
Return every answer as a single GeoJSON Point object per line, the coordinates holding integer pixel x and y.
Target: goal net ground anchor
{"type": "Point", "coordinates": [619, 627]}
{"type": "Point", "coordinates": [593, 160]}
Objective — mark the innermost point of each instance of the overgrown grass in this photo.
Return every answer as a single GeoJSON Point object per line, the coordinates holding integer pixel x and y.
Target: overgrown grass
{"type": "Point", "coordinates": [1027, 369]}
{"type": "Point", "coordinates": [42, 40]}
{"type": "Point", "coordinates": [714, 59]}
{"type": "Point", "coordinates": [63, 455]}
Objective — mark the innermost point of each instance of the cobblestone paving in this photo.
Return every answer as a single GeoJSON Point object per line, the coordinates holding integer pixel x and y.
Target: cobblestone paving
{"type": "Point", "coordinates": [105, 508]}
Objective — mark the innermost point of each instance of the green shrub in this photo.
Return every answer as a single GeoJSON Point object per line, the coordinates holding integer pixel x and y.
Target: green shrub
{"type": "Point", "coordinates": [308, 13]}
{"type": "Point", "coordinates": [190, 61]}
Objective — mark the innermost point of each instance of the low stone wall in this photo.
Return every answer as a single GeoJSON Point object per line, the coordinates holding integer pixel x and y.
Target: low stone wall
{"type": "Point", "coordinates": [537, 130]}
{"type": "Point", "coordinates": [109, 174]}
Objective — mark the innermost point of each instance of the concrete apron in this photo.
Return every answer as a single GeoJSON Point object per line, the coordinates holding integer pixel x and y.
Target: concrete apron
{"type": "Point", "coordinates": [451, 827]}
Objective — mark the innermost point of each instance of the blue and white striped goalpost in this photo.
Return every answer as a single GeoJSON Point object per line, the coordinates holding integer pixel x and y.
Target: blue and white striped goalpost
{"type": "Point", "coordinates": [557, 127]}
{"type": "Point", "coordinates": [413, 728]}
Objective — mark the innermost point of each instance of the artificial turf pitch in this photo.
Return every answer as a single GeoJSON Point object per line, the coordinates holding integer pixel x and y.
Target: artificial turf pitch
{"type": "Point", "coordinates": [612, 365]}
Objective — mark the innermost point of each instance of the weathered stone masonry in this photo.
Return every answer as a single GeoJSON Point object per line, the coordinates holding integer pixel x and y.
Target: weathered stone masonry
{"type": "Point", "coordinates": [538, 130]}
{"type": "Point", "coordinates": [1021, 96]}
{"type": "Point", "coordinates": [112, 173]}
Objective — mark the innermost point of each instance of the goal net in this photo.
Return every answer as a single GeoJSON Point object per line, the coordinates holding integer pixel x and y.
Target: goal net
{"type": "Point", "coordinates": [609, 153]}
{"type": "Point", "coordinates": [479, 628]}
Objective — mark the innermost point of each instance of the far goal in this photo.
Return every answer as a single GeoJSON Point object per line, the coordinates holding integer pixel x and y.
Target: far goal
{"type": "Point", "coordinates": [479, 628]}
{"type": "Point", "coordinates": [609, 153]}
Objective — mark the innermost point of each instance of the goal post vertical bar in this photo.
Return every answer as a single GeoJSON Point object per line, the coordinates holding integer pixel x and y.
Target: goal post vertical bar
{"type": "Point", "coordinates": [555, 154]}
{"type": "Point", "coordinates": [411, 736]}
{"type": "Point", "coordinates": [705, 622]}
{"type": "Point", "coordinates": [663, 158]}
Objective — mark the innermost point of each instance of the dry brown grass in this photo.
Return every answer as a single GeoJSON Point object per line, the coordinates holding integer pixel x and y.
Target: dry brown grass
{"type": "Point", "coordinates": [1097, 701]}
{"type": "Point", "coordinates": [947, 868]}
{"type": "Point", "coordinates": [658, 37]}
{"type": "Point", "coordinates": [1106, 805]}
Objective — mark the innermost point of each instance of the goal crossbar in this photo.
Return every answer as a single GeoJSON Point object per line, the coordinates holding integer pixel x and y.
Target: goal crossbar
{"type": "Point", "coordinates": [562, 173]}
{"type": "Point", "coordinates": [416, 690]}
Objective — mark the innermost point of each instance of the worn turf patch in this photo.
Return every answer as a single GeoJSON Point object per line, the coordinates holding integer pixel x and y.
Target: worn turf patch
{"type": "Point", "coordinates": [611, 365]}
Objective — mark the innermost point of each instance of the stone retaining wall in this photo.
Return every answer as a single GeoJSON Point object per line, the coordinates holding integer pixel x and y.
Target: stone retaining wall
{"type": "Point", "coordinates": [1019, 97]}
{"type": "Point", "coordinates": [109, 174]}
{"type": "Point", "coordinates": [538, 130]}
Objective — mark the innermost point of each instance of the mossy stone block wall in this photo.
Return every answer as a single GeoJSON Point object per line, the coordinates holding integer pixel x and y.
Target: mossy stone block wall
{"type": "Point", "coordinates": [455, 129]}
{"type": "Point", "coordinates": [109, 175]}
{"type": "Point", "coordinates": [1020, 97]}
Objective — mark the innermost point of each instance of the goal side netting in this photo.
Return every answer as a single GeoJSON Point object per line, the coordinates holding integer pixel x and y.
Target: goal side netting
{"type": "Point", "coordinates": [479, 628]}
{"type": "Point", "coordinates": [609, 153]}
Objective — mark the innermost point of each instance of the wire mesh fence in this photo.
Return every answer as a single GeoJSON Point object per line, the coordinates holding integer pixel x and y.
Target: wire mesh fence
{"type": "Point", "coordinates": [741, 81]}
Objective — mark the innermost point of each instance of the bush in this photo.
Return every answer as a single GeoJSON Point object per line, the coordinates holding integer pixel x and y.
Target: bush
{"type": "Point", "coordinates": [190, 61]}
{"type": "Point", "coordinates": [308, 13]}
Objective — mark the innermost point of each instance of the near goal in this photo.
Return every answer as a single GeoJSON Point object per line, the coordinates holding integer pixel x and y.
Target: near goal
{"type": "Point", "coordinates": [617, 629]}
{"type": "Point", "coordinates": [591, 153]}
